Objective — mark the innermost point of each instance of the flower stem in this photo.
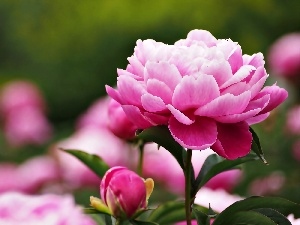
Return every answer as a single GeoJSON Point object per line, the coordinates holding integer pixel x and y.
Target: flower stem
{"type": "Point", "coordinates": [141, 159]}
{"type": "Point", "coordinates": [188, 200]}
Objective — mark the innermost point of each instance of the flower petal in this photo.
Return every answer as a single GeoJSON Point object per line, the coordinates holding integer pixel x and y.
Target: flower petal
{"type": "Point", "coordinates": [159, 89]}
{"type": "Point", "coordinates": [235, 118]}
{"type": "Point", "coordinates": [257, 119]}
{"type": "Point", "coordinates": [199, 135]}
{"type": "Point", "coordinates": [153, 103]}
{"type": "Point", "coordinates": [195, 92]}
{"type": "Point", "coordinates": [234, 140]}
{"type": "Point", "coordinates": [113, 93]}
{"type": "Point", "coordinates": [136, 117]}
{"type": "Point", "coordinates": [163, 71]}
{"type": "Point", "coordinates": [225, 105]}
{"type": "Point", "coordinates": [180, 116]}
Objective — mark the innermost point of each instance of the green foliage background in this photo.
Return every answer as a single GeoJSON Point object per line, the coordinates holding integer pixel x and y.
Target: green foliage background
{"type": "Point", "coordinates": [71, 49]}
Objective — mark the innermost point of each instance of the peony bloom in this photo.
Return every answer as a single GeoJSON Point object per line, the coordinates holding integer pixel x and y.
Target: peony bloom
{"type": "Point", "coordinates": [114, 151]}
{"type": "Point", "coordinates": [30, 176]}
{"type": "Point", "coordinates": [284, 56]}
{"type": "Point", "coordinates": [19, 209]}
{"type": "Point", "coordinates": [293, 120]}
{"type": "Point", "coordinates": [123, 192]}
{"type": "Point", "coordinates": [170, 175]}
{"type": "Point", "coordinates": [293, 220]}
{"type": "Point", "coordinates": [202, 88]}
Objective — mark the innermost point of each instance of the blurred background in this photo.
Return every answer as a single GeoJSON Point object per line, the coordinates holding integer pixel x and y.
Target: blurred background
{"type": "Point", "coordinates": [70, 49]}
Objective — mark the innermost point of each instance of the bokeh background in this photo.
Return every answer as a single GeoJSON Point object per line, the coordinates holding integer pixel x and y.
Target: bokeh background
{"type": "Point", "coordinates": [71, 49]}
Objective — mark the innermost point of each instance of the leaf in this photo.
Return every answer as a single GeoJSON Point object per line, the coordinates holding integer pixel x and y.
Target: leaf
{"type": "Point", "coordinates": [256, 147]}
{"type": "Point", "coordinates": [171, 212]}
{"type": "Point", "coordinates": [277, 217]}
{"type": "Point", "coordinates": [108, 220]}
{"type": "Point", "coordinates": [202, 218]}
{"type": "Point", "coordinates": [94, 162]}
{"type": "Point", "coordinates": [138, 222]}
{"type": "Point", "coordinates": [90, 211]}
{"type": "Point", "coordinates": [213, 167]}
{"type": "Point", "coordinates": [162, 136]}
{"type": "Point", "coordinates": [281, 205]}
{"type": "Point", "coordinates": [247, 217]}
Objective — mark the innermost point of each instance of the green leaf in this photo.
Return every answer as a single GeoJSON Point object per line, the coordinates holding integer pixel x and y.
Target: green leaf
{"type": "Point", "coordinates": [214, 166]}
{"type": "Point", "coordinates": [90, 211]}
{"type": "Point", "coordinates": [162, 136]}
{"type": "Point", "coordinates": [247, 217]}
{"type": "Point", "coordinates": [201, 217]}
{"type": "Point", "coordinates": [256, 147]}
{"type": "Point", "coordinates": [171, 212]}
{"type": "Point", "coordinates": [94, 162]}
{"type": "Point", "coordinates": [107, 219]}
{"type": "Point", "coordinates": [277, 217]}
{"type": "Point", "coordinates": [138, 222]}
{"type": "Point", "coordinates": [281, 205]}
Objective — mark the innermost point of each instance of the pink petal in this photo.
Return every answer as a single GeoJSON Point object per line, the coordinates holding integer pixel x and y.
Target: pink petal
{"type": "Point", "coordinates": [180, 116]}
{"type": "Point", "coordinates": [277, 96]}
{"type": "Point", "coordinates": [236, 89]}
{"type": "Point", "coordinates": [126, 73]}
{"type": "Point", "coordinates": [235, 118]}
{"type": "Point", "coordinates": [153, 103]}
{"type": "Point", "coordinates": [195, 92]}
{"type": "Point", "coordinates": [199, 135]}
{"type": "Point", "coordinates": [258, 103]}
{"type": "Point", "coordinates": [202, 35]}
{"type": "Point", "coordinates": [220, 69]}
{"type": "Point", "coordinates": [241, 74]}
{"type": "Point", "coordinates": [256, 60]}
{"type": "Point", "coordinates": [136, 117]}
{"type": "Point", "coordinates": [159, 89]}
{"type": "Point", "coordinates": [137, 67]}
{"type": "Point", "coordinates": [163, 71]}
{"type": "Point", "coordinates": [157, 119]}
{"type": "Point", "coordinates": [256, 85]}
{"type": "Point", "coordinates": [234, 140]}
{"type": "Point", "coordinates": [113, 93]}
{"type": "Point", "coordinates": [131, 90]}
{"type": "Point", "coordinates": [257, 119]}
{"type": "Point", "coordinates": [225, 105]}
{"type": "Point", "coordinates": [235, 60]}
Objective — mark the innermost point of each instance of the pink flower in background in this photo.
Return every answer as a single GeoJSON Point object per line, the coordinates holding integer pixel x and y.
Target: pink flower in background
{"type": "Point", "coordinates": [293, 120]}
{"type": "Point", "coordinates": [124, 192]}
{"type": "Point", "coordinates": [114, 151]}
{"type": "Point", "coordinates": [202, 88]}
{"type": "Point", "coordinates": [22, 108]}
{"type": "Point", "coordinates": [284, 56]}
{"type": "Point", "coordinates": [268, 185]}
{"type": "Point", "coordinates": [28, 177]}
{"type": "Point", "coordinates": [20, 209]}
{"type": "Point", "coordinates": [293, 220]}
{"type": "Point", "coordinates": [171, 176]}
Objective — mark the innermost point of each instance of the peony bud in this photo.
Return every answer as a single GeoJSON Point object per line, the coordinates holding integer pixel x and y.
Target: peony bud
{"type": "Point", "coordinates": [123, 193]}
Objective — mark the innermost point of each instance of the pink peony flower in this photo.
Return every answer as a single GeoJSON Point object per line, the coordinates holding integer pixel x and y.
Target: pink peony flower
{"type": "Point", "coordinates": [202, 88]}
{"type": "Point", "coordinates": [171, 176]}
{"type": "Point", "coordinates": [114, 151]}
{"type": "Point", "coordinates": [284, 56]}
{"type": "Point", "coordinates": [123, 192]}
{"type": "Point", "coordinates": [293, 220]}
{"type": "Point", "coordinates": [30, 176]}
{"type": "Point", "coordinates": [20, 209]}
{"type": "Point", "coordinates": [293, 120]}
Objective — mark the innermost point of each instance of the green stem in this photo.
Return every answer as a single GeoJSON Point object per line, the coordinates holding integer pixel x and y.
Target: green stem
{"type": "Point", "coordinates": [141, 159]}
{"type": "Point", "coordinates": [188, 200]}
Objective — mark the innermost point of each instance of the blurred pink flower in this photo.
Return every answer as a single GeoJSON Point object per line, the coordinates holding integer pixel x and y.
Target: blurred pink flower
{"type": "Point", "coordinates": [284, 56]}
{"type": "Point", "coordinates": [202, 88]}
{"type": "Point", "coordinates": [20, 209]}
{"type": "Point", "coordinates": [30, 176]}
{"type": "Point", "coordinates": [293, 120]}
{"type": "Point", "coordinates": [293, 220]}
{"type": "Point", "coordinates": [96, 115]}
{"type": "Point", "coordinates": [118, 122]}
{"type": "Point", "coordinates": [171, 176]}
{"type": "Point", "coordinates": [268, 185]}
{"type": "Point", "coordinates": [114, 151]}
{"type": "Point", "coordinates": [22, 107]}
{"type": "Point", "coordinates": [124, 192]}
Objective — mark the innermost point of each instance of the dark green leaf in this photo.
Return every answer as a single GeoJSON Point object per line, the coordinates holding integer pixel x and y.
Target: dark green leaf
{"type": "Point", "coordinates": [246, 217]}
{"type": "Point", "coordinates": [138, 222]}
{"type": "Point", "coordinates": [162, 136]}
{"type": "Point", "coordinates": [171, 212]}
{"type": "Point", "coordinates": [201, 217]}
{"type": "Point", "coordinates": [281, 205]}
{"type": "Point", "coordinates": [217, 168]}
{"type": "Point", "coordinates": [94, 162]}
{"type": "Point", "coordinates": [277, 217]}
{"type": "Point", "coordinates": [108, 220]}
{"type": "Point", "coordinates": [256, 147]}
